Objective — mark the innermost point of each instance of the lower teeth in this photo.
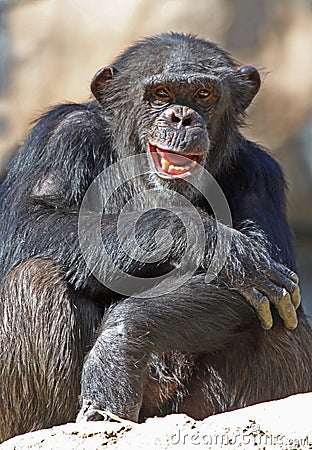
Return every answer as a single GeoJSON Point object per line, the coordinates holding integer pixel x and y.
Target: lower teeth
{"type": "Point", "coordinates": [178, 169]}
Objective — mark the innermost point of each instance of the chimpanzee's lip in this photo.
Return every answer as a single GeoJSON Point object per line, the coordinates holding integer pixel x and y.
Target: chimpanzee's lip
{"type": "Point", "coordinates": [171, 164]}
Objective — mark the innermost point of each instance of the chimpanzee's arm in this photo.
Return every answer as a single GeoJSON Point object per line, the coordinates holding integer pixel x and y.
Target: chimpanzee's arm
{"type": "Point", "coordinates": [43, 191]}
{"type": "Point", "coordinates": [255, 188]}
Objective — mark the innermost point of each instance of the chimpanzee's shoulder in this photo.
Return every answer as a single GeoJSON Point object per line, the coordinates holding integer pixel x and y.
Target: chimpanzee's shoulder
{"type": "Point", "coordinates": [69, 114]}
{"type": "Point", "coordinates": [256, 163]}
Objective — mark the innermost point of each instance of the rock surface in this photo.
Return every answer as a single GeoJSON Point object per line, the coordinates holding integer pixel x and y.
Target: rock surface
{"type": "Point", "coordinates": [282, 424]}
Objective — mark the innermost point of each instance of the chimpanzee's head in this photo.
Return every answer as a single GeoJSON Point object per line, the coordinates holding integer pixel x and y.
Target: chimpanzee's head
{"type": "Point", "coordinates": [179, 98]}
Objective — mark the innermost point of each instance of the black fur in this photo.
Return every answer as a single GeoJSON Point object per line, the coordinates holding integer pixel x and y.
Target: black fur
{"type": "Point", "coordinates": [199, 349]}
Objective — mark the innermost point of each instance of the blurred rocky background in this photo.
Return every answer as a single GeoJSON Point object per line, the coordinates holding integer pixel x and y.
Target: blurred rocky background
{"type": "Point", "coordinates": [50, 49]}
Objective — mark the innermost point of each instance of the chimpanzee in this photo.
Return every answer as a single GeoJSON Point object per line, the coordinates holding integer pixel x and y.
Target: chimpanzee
{"type": "Point", "coordinates": [109, 234]}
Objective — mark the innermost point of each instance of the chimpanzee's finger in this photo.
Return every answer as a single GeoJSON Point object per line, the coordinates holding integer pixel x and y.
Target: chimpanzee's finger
{"type": "Point", "coordinates": [261, 305]}
{"type": "Point", "coordinates": [281, 299]}
{"type": "Point", "coordinates": [287, 272]}
{"type": "Point", "coordinates": [287, 283]}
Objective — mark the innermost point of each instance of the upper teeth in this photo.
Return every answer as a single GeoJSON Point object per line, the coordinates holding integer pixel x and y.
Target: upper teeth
{"type": "Point", "coordinates": [164, 164]}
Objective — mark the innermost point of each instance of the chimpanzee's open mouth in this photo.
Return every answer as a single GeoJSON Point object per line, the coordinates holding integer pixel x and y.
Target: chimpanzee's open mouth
{"type": "Point", "coordinates": [171, 164]}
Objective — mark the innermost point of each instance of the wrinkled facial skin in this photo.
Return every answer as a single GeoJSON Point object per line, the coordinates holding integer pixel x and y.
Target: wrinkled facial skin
{"type": "Point", "coordinates": [179, 138]}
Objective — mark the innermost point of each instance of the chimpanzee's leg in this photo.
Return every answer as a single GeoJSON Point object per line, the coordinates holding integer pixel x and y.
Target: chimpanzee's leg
{"type": "Point", "coordinates": [196, 318]}
{"type": "Point", "coordinates": [44, 333]}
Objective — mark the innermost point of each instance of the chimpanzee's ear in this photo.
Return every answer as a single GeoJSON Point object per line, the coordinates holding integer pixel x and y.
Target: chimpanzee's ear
{"type": "Point", "coordinates": [100, 78]}
{"type": "Point", "coordinates": [251, 77]}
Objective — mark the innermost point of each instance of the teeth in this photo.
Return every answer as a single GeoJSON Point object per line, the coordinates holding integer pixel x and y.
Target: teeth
{"type": "Point", "coordinates": [178, 168]}
{"type": "Point", "coordinates": [167, 167]}
{"type": "Point", "coordinates": [171, 168]}
{"type": "Point", "coordinates": [164, 164]}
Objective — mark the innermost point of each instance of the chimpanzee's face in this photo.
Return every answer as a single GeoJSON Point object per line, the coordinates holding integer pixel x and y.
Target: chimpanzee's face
{"type": "Point", "coordinates": [182, 107]}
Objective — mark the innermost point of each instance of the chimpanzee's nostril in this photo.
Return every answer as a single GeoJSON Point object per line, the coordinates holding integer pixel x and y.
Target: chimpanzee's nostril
{"type": "Point", "coordinates": [187, 121]}
{"type": "Point", "coordinates": [174, 118]}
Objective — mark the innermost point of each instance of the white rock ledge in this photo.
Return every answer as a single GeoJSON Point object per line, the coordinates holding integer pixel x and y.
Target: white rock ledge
{"type": "Point", "coordinates": [282, 424]}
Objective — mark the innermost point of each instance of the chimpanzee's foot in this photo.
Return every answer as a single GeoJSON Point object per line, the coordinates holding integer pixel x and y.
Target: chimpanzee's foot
{"type": "Point", "coordinates": [89, 413]}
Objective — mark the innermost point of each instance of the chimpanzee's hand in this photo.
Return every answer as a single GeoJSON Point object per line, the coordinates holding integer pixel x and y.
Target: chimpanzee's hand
{"type": "Point", "coordinates": [251, 271]}
{"type": "Point", "coordinates": [279, 285]}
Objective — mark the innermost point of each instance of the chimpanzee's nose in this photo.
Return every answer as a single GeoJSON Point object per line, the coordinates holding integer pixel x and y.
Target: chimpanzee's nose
{"type": "Point", "coordinates": [182, 115]}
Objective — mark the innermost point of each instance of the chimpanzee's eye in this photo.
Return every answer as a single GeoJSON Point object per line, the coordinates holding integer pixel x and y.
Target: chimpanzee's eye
{"type": "Point", "coordinates": [203, 94]}
{"type": "Point", "coordinates": [162, 95]}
